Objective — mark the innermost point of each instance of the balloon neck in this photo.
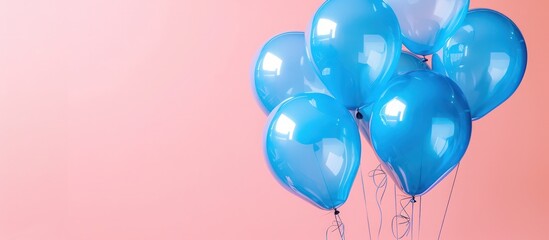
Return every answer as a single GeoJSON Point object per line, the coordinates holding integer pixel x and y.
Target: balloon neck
{"type": "Point", "coordinates": [413, 200]}
{"type": "Point", "coordinates": [425, 59]}
{"type": "Point", "coordinates": [336, 212]}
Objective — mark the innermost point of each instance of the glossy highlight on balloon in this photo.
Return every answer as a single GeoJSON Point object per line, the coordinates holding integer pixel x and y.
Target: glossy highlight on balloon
{"type": "Point", "coordinates": [355, 46]}
{"type": "Point", "coordinates": [283, 70]}
{"type": "Point", "coordinates": [407, 62]}
{"type": "Point", "coordinates": [427, 24]}
{"type": "Point", "coordinates": [420, 129]}
{"type": "Point", "coordinates": [487, 58]}
{"type": "Point", "coordinates": [312, 145]}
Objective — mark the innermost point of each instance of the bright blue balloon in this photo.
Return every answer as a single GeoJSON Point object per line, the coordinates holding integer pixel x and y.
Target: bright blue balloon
{"type": "Point", "coordinates": [313, 148]}
{"type": "Point", "coordinates": [408, 62]}
{"type": "Point", "coordinates": [427, 24]}
{"type": "Point", "coordinates": [420, 129]}
{"type": "Point", "coordinates": [283, 70]}
{"type": "Point", "coordinates": [355, 46]}
{"type": "Point", "coordinates": [486, 58]}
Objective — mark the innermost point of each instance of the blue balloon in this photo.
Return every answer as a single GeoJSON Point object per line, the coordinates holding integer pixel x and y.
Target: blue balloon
{"type": "Point", "coordinates": [420, 129]}
{"type": "Point", "coordinates": [355, 46]}
{"type": "Point", "coordinates": [313, 148]}
{"type": "Point", "coordinates": [486, 58]}
{"type": "Point", "coordinates": [427, 24]}
{"type": "Point", "coordinates": [283, 70]}
{"type": "Point", "coordinates": [408, 62]}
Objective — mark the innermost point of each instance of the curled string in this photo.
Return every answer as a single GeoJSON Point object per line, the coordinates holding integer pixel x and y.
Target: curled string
{"type": "Point", "coordinates": [337, 225]}
{"type": "Point", "coordinates": [403, 218]}
{"type": "Point", "coordinates": [379, 177]}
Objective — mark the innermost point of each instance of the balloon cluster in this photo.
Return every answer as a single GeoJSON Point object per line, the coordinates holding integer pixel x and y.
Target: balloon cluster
{"type": "Point", "coordinates": [348, 74]}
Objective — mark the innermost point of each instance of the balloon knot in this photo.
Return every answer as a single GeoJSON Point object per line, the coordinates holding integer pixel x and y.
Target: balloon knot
{"type": "Point", "coordinates": [336, 212]}
{"type": "Point", "coordinates": [359, 115]}
{"type": "Point", "coordinates": [425, 59]}
{"type": "Point", "coordinates": [413, 200]}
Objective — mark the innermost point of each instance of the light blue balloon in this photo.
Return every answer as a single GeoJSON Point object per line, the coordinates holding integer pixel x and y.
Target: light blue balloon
{"type": "Point", "coordinates": [282, 70]}
{"type": "Point", "coordinates": [420, 129]}
{"type": "Point", "coordinates": [486, 58]}
{"type": "Point", "coordinates": [427, 24]}
{"type": "Point", "coordinates": [313, 148]}
{"type": "Point", "coordinates": [355, 46]}
{"type": "Point", "coordinates": [408, 62]}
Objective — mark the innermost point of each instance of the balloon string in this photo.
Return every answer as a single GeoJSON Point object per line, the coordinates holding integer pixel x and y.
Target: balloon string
{"type": "Point", "coordinates": [337, 225]}
{"type": "Point", "coordinates": [419, 224]}
{"type": "Point", "coordinates": [448, 203]}
{"type": "Point", "coordinates": [396, 236]}
{"type": "Point", "coordinates": [413, 201]}
{"type": "Point", "coordinates": [402, 218]}
{"type": "Point", "coordinates": [340, 225]}
{"type": "Point", "coordinates": [365, 205]}
{"type": "Point", "coordinates": [378, 172]}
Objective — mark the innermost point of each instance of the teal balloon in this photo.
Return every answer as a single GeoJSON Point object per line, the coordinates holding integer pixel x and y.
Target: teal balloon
{"type": "Point", "coordinates": [408, 62]}
{"type": "Point", "coordinates": [420, 129]}
{"type": "Point", "coordinates": [312, 145]}
{"type": "Point", "coordinates": [427, 24]}
{"type": "Point", "coordinates": [487, 58]}
{"type": "Point", "coordinates": [355, 46]}
{"type": "Point", "coordinates": [283, 70]}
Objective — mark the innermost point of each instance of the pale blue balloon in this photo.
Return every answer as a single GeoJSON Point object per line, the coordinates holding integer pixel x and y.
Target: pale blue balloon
{"type": "Point", "coordinates": [313, 148]}
{"type": "Point", "coordinates": [487, 58]}
{"type": "Point", "coordinates": [420, 129]}
{"type": "Point", "coordinates": [427, 24]}
{"type": "Point", "coordinates": [282, 70]}
{"type": "Point", "coordinates": [355, 46]}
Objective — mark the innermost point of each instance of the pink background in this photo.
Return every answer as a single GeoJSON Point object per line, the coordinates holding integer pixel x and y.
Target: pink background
{"type": "Point", "coordinates": [136, 120]}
